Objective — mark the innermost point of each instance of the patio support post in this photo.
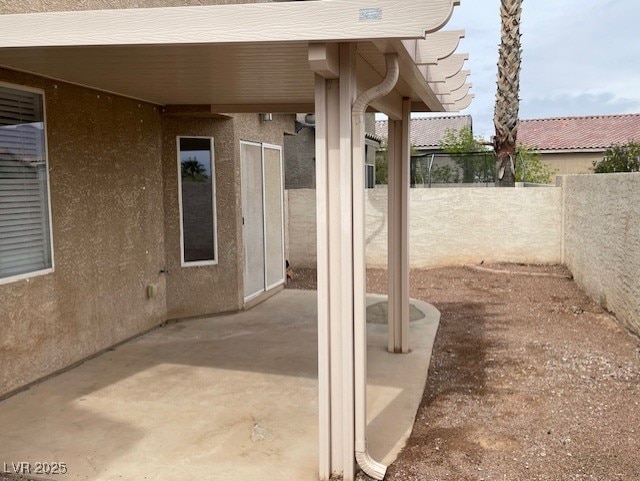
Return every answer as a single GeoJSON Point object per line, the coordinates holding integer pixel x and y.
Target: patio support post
{"type": "Point", "coordinates": [323, 89]}
{"type": "Point", "coordinates": [399, 151]}
{"type": "Point", "coordinates": [334, 204]}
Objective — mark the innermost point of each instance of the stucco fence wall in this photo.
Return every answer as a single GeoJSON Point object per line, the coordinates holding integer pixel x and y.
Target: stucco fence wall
{"type": "Point", "coordinates": [591, 223]}
{"type": "Point", "coordinates": [447, 226]}
{"type": "Point", "coordinates": [602, 240]}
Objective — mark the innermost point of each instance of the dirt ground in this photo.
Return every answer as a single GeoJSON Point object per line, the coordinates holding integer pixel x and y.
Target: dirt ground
{"type": "Point", "coordinates": [529, 380]}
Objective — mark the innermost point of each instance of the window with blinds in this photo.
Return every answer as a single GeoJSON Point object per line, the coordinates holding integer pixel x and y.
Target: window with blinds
{"type": "Point", "coordinates": [25, 235]}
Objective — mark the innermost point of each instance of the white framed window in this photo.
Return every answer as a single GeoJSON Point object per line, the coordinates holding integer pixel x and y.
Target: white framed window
{"type": "Point", "coordinates": [26, 245]}
{"type": "Point", "coordinates": [197, 197]}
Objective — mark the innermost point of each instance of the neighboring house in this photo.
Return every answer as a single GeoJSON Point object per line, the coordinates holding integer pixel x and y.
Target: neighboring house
{"type": "Point", "coordinates": [570, 145]}
{"type": "Point", "coordinates": [426, 135]}
{"type": "Point", "coordinates": [300, 154]}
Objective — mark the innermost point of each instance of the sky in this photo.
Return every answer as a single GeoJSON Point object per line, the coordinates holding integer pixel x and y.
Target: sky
{"type": "Point", "coordinates": [580, 57]}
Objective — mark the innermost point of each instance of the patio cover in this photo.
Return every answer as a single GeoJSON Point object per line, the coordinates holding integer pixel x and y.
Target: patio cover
{"type": "Point", "coordinates": [234, 58]}
{"type": "Point", "coordinates": [318, 56]}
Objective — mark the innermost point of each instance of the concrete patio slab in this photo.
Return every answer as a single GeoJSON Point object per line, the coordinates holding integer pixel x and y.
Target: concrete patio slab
{"type": "Point", "coordinates": [224, 398]}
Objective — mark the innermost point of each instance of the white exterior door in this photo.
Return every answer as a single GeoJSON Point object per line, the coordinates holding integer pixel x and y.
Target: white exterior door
{"type": "Point", "coordinates": [263, 217]}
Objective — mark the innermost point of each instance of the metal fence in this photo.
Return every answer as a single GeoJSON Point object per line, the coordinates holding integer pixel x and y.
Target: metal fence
{"type": "Point", "coordinates": [429, 170]}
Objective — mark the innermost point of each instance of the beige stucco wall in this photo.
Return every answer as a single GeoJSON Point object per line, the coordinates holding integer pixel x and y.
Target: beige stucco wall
{"type": "Point", "coordinates": [115, 217]}
{"type": "Point", "coordinates": [107, 217]}
{"type": "Point", "coordinates": [29, 6]}
{"type": "Point", "coordinates": [602, 240]}
{"type": "Point", "coordinates": [249, 127]}
{"type": "Point", "coordinates": [571, 162]}
{"type": "Point", "coordinates": [193, 291]}
{"type": "Point", "coordinates": [461, 226]}
{"type": "Point", "coordinates": [301, 229]}
{"type": "Point", "coordinates": [299, 159]}
{"type": "Point", "coordinates": [448, 226]}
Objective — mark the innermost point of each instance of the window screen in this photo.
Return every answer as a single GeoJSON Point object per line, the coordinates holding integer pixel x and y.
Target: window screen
{"type": "Point", "coordinates": [25, 243]}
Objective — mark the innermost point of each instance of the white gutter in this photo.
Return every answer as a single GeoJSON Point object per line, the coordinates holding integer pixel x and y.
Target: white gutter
{"type": "Point", "coordinates": [371, 467]}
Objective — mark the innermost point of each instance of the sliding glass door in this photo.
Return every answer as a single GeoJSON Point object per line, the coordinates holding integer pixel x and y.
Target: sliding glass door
{"type": "Point", "coordinates": [263, 217]}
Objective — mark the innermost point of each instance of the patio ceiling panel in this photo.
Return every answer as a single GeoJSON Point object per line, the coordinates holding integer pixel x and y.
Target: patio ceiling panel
{"type": "Point", "coordinates": [230, 77]}
{"type": "Point", "coordinates": [179, 74]}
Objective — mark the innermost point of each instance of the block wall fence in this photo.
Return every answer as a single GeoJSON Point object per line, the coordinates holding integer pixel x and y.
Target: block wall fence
{"type": "Point", "coordinates": [591, 223]}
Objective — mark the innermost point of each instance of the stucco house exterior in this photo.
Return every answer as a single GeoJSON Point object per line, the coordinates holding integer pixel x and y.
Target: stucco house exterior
{"type": "Point", "coordinates": [139, 182]}
{"type": "Point", "coordinates": [123, 243]}
{"type": "Point", "coordinates": [570, 145]}
{"type": "Point", "coordinates": [300, 153]}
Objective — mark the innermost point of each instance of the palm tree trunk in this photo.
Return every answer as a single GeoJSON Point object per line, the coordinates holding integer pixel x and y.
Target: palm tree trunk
{"type": "Point", "coordinates": [505, 117]}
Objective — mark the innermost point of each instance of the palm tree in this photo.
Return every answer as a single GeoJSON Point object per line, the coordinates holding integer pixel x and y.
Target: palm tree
{"type": "Point", "coordinates": [193, 171]}
{"type": "Point", "coordinates": [505, 118]}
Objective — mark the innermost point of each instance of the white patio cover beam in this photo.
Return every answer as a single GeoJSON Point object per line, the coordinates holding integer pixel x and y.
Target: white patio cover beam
{"type": "Point", "coordinates": [276, 108]}
{"type": "Point", "coordinates": [460, 104]}
{"type": "Point", "coordinates": [324, 59]}
{"type": "Point", "coordinates": [335, 20]}
{"type": "Point", "coordinates": [399, 155]}
{"type": "Point", "coordinates": [450, 84]}
{"type": "Point", "coordinates": [437, 46]}
{"type": "Point", "coordinates": [446, 68]}
{"type": "Point", "coordinates": [456, 95]}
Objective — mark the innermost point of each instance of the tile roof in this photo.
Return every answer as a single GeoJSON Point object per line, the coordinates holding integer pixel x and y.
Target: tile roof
{"type": "Point", "coordinates": [427, 131]}
{"type": "Point", "coordinates": [577, 133]}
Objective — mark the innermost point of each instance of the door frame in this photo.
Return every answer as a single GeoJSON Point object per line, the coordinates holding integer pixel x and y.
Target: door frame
{"type": "Point", "coordinates": [281, 191]}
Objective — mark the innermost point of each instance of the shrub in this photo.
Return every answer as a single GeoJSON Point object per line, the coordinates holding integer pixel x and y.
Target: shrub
{"type": "Point", "coordinates": [619, 158]}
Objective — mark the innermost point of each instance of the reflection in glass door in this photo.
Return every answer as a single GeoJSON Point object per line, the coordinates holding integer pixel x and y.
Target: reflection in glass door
{"type": "Point", "coordinates": [263, 217]}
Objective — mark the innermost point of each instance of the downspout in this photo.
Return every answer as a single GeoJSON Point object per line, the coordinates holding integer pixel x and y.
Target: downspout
{"type": "Point", "coordinates": [365, 461]}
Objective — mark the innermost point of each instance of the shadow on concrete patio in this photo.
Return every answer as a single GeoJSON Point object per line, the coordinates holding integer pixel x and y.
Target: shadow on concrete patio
{"type": "Point", "coordinates": [226, 397]}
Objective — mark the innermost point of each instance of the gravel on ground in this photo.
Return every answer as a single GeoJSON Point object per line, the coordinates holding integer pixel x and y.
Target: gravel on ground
{"type": "Point", "coordinates": [529, 380]}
